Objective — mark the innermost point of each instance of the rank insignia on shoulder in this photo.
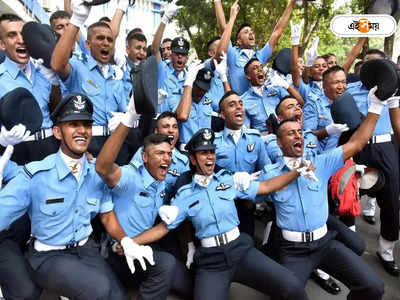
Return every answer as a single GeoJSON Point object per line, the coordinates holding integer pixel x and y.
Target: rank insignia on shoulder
{"type": "Point", "coordinates": [194, 203]}
{"type": "Point", "coordinates": [311, 145]}
{"type": "Point", "coordinates": [323, 117]}
{"type": "Point", "coordinates": [207, 101]}
{"type": "Point", "coordinates": [272, 94]}
{"type": "Point", "coordinates": [174, 172]}
{"type": "Point", "coordinates": [90, 81]}
{"type": "Point", "coordinates": [250, 147]}
{"type": "Point", "coordinates": [144, 194]}
{"type": "Point", "coordinates": [223, 187]}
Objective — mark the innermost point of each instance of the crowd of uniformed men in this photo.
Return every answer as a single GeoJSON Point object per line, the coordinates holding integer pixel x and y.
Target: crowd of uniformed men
{"type": "Point", "coordinates": [101, 198]}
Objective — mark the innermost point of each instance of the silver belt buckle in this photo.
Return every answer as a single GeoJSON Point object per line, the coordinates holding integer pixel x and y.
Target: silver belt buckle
{"type": "Point", "coordinates": [307, 237]}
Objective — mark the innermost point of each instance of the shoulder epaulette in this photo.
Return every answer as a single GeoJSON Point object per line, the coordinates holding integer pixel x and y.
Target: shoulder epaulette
{"type": "Point", "coordinates": [183, 180]}
{"type": "Point", "coordinates": [36, 166]}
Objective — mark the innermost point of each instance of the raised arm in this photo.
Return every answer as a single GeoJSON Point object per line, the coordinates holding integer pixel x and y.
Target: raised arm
{"type": "Point", "coordinates": [351, 57]}
{"type": "Point", "coordinates": [116, 20]}
{"type": "Point", "coordinates": [360, 138]}
{"type": "Point", "coordinates": [219, 12]}
{"type": "Point", "coordinates": [281, 25]}
{"type": "Point", "coordinates": [105, 162]}
{"type": "Point", "coordinates": [294, 55]}
{"type": "Point", "coordinates": [60, 57]}
{"type": "Point", "coordinates": [171, 10]}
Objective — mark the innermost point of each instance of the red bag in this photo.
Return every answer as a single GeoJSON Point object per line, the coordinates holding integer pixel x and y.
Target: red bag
{"type": "Point", "coordinates": [343, 191]}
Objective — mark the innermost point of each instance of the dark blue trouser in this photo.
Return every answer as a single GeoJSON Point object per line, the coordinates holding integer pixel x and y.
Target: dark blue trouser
{"type": "Point", "coordinates": [336, 259]}
{"type": "Point", "coordinates": [79, 273]}
{"type": "Point", "coordinates": [239, 261]}
{"type": "Point", "coordinates": [156, 282]}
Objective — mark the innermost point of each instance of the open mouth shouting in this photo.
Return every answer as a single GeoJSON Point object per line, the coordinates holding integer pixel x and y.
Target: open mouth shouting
{"type": "Point", "coordinates": [22, 53]}
{"type": "Point", "coordinates": [298, 148]}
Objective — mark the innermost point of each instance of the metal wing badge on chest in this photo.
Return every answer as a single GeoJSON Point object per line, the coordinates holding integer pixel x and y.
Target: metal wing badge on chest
{"type": "Point", "coordinates": [251, 147]}
{"type": "Point", "coordinates": [311, 145]}
{"type": "Point", "coordinates": [207, 101]}
{"type": "Point", "coordinates": [174, 173]}
{"type": "Point", "coordinates": [223, 187]}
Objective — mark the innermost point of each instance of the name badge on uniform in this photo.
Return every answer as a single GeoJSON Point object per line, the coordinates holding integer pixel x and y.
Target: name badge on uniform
{"type": "Point", "coordinates": [174, 172]}
{"type": "Point", "coordinates": [90, 81]}
{"type": "Point", "coordinates": [222, 156]}
{"type": "Point", "coordinates": [57, 200]}
{"type": "Point", "coordinates": [223, 187]}
{"type": "Point", "coordinates": [207, 101]}
{"type": "Point", "coordinates": [311, 145]}
{"type": "Point", "coordinates": [194, 204]}
{"type": "Point", "coordinates": [253, 106]}
{"type": "Point", "coordinates": [323, 117]}
{"type": "Point", "coordinates": [272, 94]}
{"type": "Point", "coordinates": [250, 147]}
{"type": "Point", "coordinates": [144, 194]}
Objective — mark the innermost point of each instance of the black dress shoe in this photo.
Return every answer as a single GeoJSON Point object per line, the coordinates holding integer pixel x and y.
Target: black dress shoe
{"type": "Point", "coordinates": [390, 266]}
{"type": "Point", "coordinates": [369, 219]}
{"type": "Point", "coordinates": [328, 285]}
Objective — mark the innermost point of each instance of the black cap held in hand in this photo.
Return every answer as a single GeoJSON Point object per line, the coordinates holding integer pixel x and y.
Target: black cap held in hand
{"type": "Point", "coordinates": [201, 140]}
{"type": "Point", "coordinates": [74, 107]}
{"type": "Point", "coordinates": [19, 106]}
{"type": "Point", "coordinates": [203, 79]}
{"type": "Point", "coordinates": [180, 45]}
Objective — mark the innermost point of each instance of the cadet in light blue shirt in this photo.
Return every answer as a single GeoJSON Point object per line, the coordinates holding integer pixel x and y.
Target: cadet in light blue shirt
{"type": "Point", "coordinates": [225, 255]}
{"type": "Point", "coordinates": [244, 51]}
{"type": "Point", "coordinates": [71, 193]}
{"type": "Point", "coordinates": [302, 211]}
{"type": "Point", "coordinates": [167, 124]}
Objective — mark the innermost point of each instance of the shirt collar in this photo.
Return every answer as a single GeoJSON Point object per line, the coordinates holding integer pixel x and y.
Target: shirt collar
{"type": "Point", "coordinates": [227, 133]}
{"type": "Point", "coordinates": [146, 177]}
{"type": "Point", "coordinates": [92, 63]}
{"type": "Point", "coordinates": [176, 154]}
{"type": "Point", "coordinates": [63, 170]}
{"type": "Point", "coordinates": [258, 90]}
{"type": "Point", "coordinates": [11, 67]}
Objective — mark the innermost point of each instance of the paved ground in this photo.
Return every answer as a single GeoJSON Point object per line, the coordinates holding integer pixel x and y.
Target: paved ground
{"type": "Point", "coordinates": [368, 233]}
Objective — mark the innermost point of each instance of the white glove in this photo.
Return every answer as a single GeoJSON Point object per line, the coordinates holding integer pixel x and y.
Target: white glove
{"type": "Point", "coordinates": [222, 67]}
{"type": "Point", "coordinates": [190, 254]}
{"type": "Point", "coordinates": [254, 176]}
{"type": "Point", "coordinates": [16, 135]}
{"type": "Point", "coordinates": [115, 120]}
{"type": "Point", "coordinates": [168, 213]}
{"type": "Point", "coordinates": [192, 73]}
{"type": "Point", "coordinates": [130, 116]}
{"type": "Point", "coordinates": [376, 105]}
{"type": "Point", "coordinates": [393, 102]}
{"type": "Point", "coordinates": [123, 5]}
{"type": "Point", "coordinates": [170, 11]}
{"type": "Point", "coordinates": [335, 128]}
{"type": "Point", "coordinates": [296, 32]}
{"type": "Point", "coordinates": [277, 80]}
{"type": "Point", "coordinates": [305, 172]}
{"type": "Point", "coordinates": [134, 251]}
{"type": "Point", "coordinates": [162, 95]}
{"type": "Point", "coordinates": [361, 169]}
{"type": "Point", "coordinates": [80, 13]}
{"type": "Point", "coordinates": [50, 75]}
{"type": "Point", "coordinates": [241, 180]}
{"type": "Point", "coordinates": [299, 2]}
{"type": "Point", "coordinates": [312, 53]}
{"type": "Point", "coordinates": [4, 160]}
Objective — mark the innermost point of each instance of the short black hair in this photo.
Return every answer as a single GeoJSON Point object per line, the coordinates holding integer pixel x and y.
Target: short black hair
{"type": "Point", "coordinates": [59, 14]}
{"type": "Point", "coordinates": [10, 17]}
{"type": "Point", "coordinates": [278, 129]}
{"type": "Point", "coordinates": [166, 40]}
{"type": "Point", "coordinates": [95, 25]}
{"type": "Point", "coordinates": [246, 67]}
{"type": "Point", "coordinates": [277, 110]}
{"type": "Point", "coordinates": [241, 27]}
{"type": "Point", "coordinates": [136, 36]}
{"type": "Point", "coordinates": [331, 70]}
{"type": "Point", "coordinates": [226, 95]}
{"type": "Point", "coordinates": [210, 42]}
{"type": "Point", "coordinates": [155, 139]}
{"type": "Point", "coordinates": [137, 30]}
{"type": "Point", "coordinates": [375, 51]}
{"type": "Point", "coordinates": [326, 56]}
{"type": "Point", "coordinates": [105, 19]}
{"type": "Point", "coordinates": [166, 114]}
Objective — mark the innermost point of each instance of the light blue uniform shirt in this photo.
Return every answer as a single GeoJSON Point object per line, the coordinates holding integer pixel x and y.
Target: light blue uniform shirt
{"type": "Point", "coordinates": [216, 90]}
{"type": "Point", "coordinates": [316, 116]}
{"type": "Point", "coordinates": [211, 209]}
{"type": "Point", "coordinates": [80, 49]}
{"type": "Point", "coordinates": [10, 171]}
{"type": "Point", "coordinates": [168, 79]}
{"type": "Point", "coordinates": [248, 155]}
{"type": "Point", "coordinates": [179, 165]}
{"type": "Point", "coordinates": [237, 59]}
{"type": "Point", "coordinates": [310, 91]}
{"type": "Point", "coordinates": [137, 198]}
{"type": "Point", "coordinates": [106, 94]}
{"type": "Point", "coordinates": [11, 77]}
{"type": "Point", "coordinates": [302, 205]}
{"type": "Point", "coordinates": [311, 146]}
{"type": "Point", "coordinates": [60, 207]}
{"type": "Point", "coordinates": [360, 95]}
{"type": "Point", "coordinates": [258, 109]}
